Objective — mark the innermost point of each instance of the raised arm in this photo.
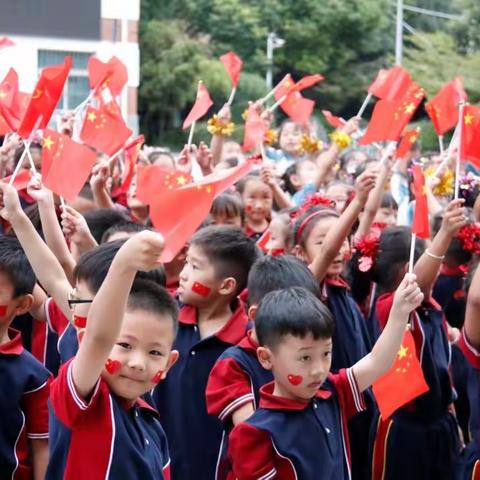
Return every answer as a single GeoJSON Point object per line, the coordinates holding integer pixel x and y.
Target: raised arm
{"type": "Point", "coordinates": [371, 367]}
{"type": "Point", "coordinates": [216, 143]}
{"type": "Point", "coordinates": [336, 236]}
{"type": "Point", "coordinates": [280, 197]}
{"type": "Point", "coordinates": [47, 268]}
{"type": "Point", "coordinates": [98, 182]}
{"type": "Point", "coordinates": [106, 313]}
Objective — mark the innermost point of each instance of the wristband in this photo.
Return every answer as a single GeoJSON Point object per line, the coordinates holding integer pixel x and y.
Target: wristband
{"type": "Point", "coordinates": [432, 255]}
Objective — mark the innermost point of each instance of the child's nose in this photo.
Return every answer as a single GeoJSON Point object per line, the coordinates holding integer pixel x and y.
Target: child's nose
{"type": "Point", "coordinates": [136, 360]}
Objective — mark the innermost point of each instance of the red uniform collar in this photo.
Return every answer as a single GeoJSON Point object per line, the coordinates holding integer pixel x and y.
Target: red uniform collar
{"type": "Point", "coordinates": [337, 282]}
{"type": "Point", "coordinates": [274, 402]}
{"type": "Point", "coordinates": [232, 332]}
{"type": "Point", "coordinates": [250, 232]}
{"type": "Point", "coordinates": [451, 271]}
{"type": "Point", "coordinates": [139, 402]}
{"type": "Point", "coordinates": [248, 343]}
{"type": "Point", "coordinates": [14, 346]}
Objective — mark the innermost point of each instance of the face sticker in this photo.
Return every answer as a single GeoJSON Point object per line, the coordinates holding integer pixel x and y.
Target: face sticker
{"type": "Point", "coordinates": [79, 322]}
{"type": "Point", "coordinates": [248, 208]}
{"type": "Point", "coordinates": [157, 377]}
{"type": "Point", "coordinates": [112, 366]}
{"type": "Point", "coordinates": [201, 289]}
{"type": "Point", "coordinates": [295, 379]}
{"type": "Point", "coordinates": [3, 310]}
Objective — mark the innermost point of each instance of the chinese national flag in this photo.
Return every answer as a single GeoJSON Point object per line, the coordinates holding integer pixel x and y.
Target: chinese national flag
{"type": "Point", "coordinates": [45, 97]}
{"type": "Point", "coordinates": [298, 108]}
{"type": "Point", "coordinates": [403, 382]}
{"type": "Point", "coordinates": [255, 129]}
{"type": "Point", "coordinates": [420, 225]}
{"type": "Point", "coordinates": [177, 213]}
{"type": "Point", "coordinates": [131, 156]}
{"type": "Point", "coordinates": [306, 82]}
{"type": "Point", "coordinates": [443, 107]}
{"type": "Point", "coordinates": [112, 74]}
{"type": "Point", "coordinates": [6, 42]}
{"type": "Point", "coordinates": [391, 84]}
{"type": "Point", "coordinates": [202, 103]}
{"type": "Point", "coordinates": [153, 180]}
{"type": "Point", "coordinates": [264, 240]}
{"type": "Point", "coordinates": [335, 122]}
{"type": "Point", "coordinates": [66, 164]}
{"type": "Point", "coordinates": [11, 108]}
{"type": "Point", "coordinates": [104, 130]}
{"type": "Point", "coordinates": [407, 141]}
{"type": "Point", "coordinates": [470, 142]}
{"type": "Point", "coordinates": [233, 64]}
{"type": "Point", "coordinates": [390, 117]}
{"type": "Point", "coordinates": [21, 181]}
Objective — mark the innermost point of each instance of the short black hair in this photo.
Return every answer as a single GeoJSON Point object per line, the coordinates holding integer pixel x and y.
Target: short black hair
{"type": "Point", "coordinates": [271, 273]}
{"type": "Point", "coordinates": [93, 266]}
{"type": "Point", "coordinates": [102, 219]}
{"type": "Point", "coordinates": [299, 237]}
{"type": "Point", "coordinates": [15, 265]}
{"type": "Point", "coordinates": [124, 227]}
{"type": "Point", "coordinates": [229, 250]}
{"type": "Point", "coordinates": [228, 204]}
{"type": "Point", "coordinates": [292, 311]}
{"type": "Point", "coordinates": [151, 297]}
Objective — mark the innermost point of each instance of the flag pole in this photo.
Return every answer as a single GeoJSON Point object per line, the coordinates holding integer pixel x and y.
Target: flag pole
{"type": "Point", "coordinates": [271, 92]}
{"type": "Point", "coordinates": [459, 149]}
{"type": "Point", "coordinates": [364, 105]}
{"type": "Point", "coordinates": [114, 156]}
{"type": "Point", "coordinates": [412, 253]}
{"type": "Point", "coordinates": [190, 135]}
{"type": "Point", "coordinates": [262, 152]}
{"type": "Point", "coordinates": [29, 155]}
{"type": "Point", "coordinates": [232, 96]}
{"type": "Point", "coordinates": [276, 104]}
{"type": "Point", "coordinates": [388, 151]}
{"type": "Point", "coordinates": [440, 144]}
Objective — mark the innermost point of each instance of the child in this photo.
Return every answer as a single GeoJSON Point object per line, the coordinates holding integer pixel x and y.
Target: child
{"type": "Point", "coordinates": [25, 382]}
{"type": "Point", "coordinates": [211, 320]}
{"type": "Point", "coordinates": [299, 430]}
{"type": "Point", "coordinates": [289, 137]}
{"type": "Point", "coordinates": [234, 383]}
{"type": "Point", "coordinates": [101, 428]}
{"type": "Point", "coordinates": [227, 209]}
{"type": "Point", "coordinates": [258, 200]}
{"type": "Point", "coordinates": [279, 229]}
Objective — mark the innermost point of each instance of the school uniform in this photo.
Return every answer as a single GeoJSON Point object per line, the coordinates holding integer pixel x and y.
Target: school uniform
{"type": "Point", "coordinates": [234, 381]}
{"type": "Point", "coordinates": [350, 343]}
{"type": "Point", "coordinates": [291, 439]}
{"type": "Point", "coordinates": [103, 437]}
{"type": "Point", "coordinates": [194, 436]}
{"type": "Point", "coordinates": [469, 465]}
{"type": "Point", "coordinates": [449, 291]}
{"type": "Point", "coordinates": [420, 440]}
{"type": "Point", "coordinates": [44, 346]}
{"type": "Point", "coordinates": [23, 402]}
{"type": "Point", "coordinates": [255, 236]}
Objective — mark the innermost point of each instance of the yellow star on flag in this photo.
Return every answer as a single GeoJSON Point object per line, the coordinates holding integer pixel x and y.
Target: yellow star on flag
{"type": "Point", "coordinates": [413, 139]}
{"type": "Point", "coordinates": [410, 108]}
{"type": "Point", "coordinates": [468, 118]}
{"type": "Point", "coordinates": [402, 353]}
{"type": "Point", "coordinates": [3, 94]}
{"type": "Point", "coordinates": [48, 142]}
{"type": "Point", "coordinates": [91, 116]}
{"type": "Point", "coordinates": [181, 180]}
{"type": "Point", "coordinates": [37, 94]}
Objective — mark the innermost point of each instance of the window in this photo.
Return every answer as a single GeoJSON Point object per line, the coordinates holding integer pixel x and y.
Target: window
{"type": "Point", "coordinates": [77, 87]}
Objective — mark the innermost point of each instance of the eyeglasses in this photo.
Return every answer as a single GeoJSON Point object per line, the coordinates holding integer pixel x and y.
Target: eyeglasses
{"type": "Point", "coordinates": [73, 300]}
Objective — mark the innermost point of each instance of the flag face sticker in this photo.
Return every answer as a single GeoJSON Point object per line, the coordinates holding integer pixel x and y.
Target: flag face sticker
{"type": "Point", "coordinates": [201, 289]}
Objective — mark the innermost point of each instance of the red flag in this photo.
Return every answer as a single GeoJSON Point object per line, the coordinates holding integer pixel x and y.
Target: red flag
{"type": "Point", "coordinates": [443, 107]}
{"type": "Point", "coordinates": [6, 42]}
{"type": "Point", "coordinates": [11, 108]}
{"type": "Point", "coordinates": [403, 382]}
{"type": "Point", "coordinates": [21, 180]}
{"type": "Point", "coordinates": [202, 103]}
{"type": "Point", "coordinates": [66, 164]}
{"type": "Point", "coordinates": [470, 141]}
{"type": "Point", "coordinates": [45, 97]}
{"type": "Point", "coordinates": [306, 82]}
{"type": "Point", "coordinates": [390, 117]}
{"type": "Point", "coordinates": [104, 130]}
{"type": "Point", "coordinates": [112, 74]}
{"type": "Point", "coordinates": [177, 213]}
{"type": "Point", "coordinates": [407, 141]}
{"type": "Point", "coordinates": [420, 225]}
{"type": "Point", "coordinates": [390, 84]}
{"type": "Point", "coordinates": [335, 122]}
{"type": "Point", "coordinates": [255, 129]}
{"type": "Point", "coordinates": [131, 156]}
{"type": "Point", "coordinates": [264, 240]}
{"type": "Point", "coordinates": [233, 64]}
{"type": "Point", "coordinates": [153, 180]}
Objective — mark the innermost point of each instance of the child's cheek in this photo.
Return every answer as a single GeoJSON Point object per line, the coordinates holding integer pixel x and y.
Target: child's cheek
{"type": "Point", "coordinates": [3, 310]}
{"type": "Point", "coordinates": [295, 380]}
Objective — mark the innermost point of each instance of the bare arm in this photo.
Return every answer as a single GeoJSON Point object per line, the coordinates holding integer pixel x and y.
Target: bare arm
{"type": "Point", "coordinates": [371, 367]}
{"type": "Point", "coordinates": [37, 310]}
{"type": "Point", "coordinates": [40, 458]}
{"type": "Point", "coordinates": [280, 197]}
{"type": "Point", "coordinates": [98, 182]}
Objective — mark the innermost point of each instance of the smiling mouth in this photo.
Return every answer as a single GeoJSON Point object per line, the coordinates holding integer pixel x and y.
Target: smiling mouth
{"type": "Point", "coordinates": [136, 380]}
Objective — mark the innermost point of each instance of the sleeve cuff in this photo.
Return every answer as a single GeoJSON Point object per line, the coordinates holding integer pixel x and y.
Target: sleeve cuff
{"type": "Point", "coordinates": [358, 398]}
{"type": "Point", "coordinates": [237, 403]}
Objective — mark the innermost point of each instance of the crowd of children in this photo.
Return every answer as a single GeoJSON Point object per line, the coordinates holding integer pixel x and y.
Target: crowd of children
{"type": "Point", "coordinates": [251, 354]}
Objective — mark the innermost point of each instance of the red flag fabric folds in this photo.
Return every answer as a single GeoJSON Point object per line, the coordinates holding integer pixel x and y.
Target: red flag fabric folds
{"type": "Point", "coordinates": [470, 141]}
{"type": "Point", "coordinates": [390, 84]}
{"type": "Point", "coordinates": [233, 64]}
{"type": "Point", "coordinates": [407, 141]}
{"type": "Point", "coordinates": [112, 74]}
{"type": "Point", "coordinates": [66, 165]}
{"type": "Point", "coordinates": [255, 129]}
{"type": "Point", "coordinates": [45, 97]}
{"type": "Point", "coordinates": [420, 225]}
{"type": "Point", "coordinates": [21, 181]}
{"type": "Point", "coordinates": [11, 106]}
{"type": "Point", "coordinates": [202, 103]}
{"type": "Point", "coordinates": [335, 122]}
{"type": "Point", "coordinates": [131, 156]}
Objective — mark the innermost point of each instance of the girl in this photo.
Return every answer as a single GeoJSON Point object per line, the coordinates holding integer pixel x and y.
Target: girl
{"type": "Point", "coordinates": [420, 440]}
{"type": "Point", "coordinates": [227, 209]}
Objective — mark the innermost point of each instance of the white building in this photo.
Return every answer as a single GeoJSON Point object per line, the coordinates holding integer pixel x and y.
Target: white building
{"type": "Point", "coordinates": [44, 31]}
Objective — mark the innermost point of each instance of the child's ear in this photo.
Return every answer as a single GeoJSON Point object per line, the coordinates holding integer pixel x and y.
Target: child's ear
{"type": "Point", "coordinates": [264, 355]}
{"type": "Point", "coordinates": [228, 286]}
{"type": "Point", "coordinates": [171, 362]}
{"type": "Point", "coordinates": [24, 303]}
{"type": "Point", "coordinates": [252, 312]}
{"type": "Point", "coordinates": [298, 252]}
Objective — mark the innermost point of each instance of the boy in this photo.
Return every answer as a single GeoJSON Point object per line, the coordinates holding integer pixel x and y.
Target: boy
{"type": "Point", "coordinates": [299, 430]}
{"type": "Point", "coordinates": [100, 426]}
{"type": "Point", "coordinates": [212, 319]}
{"type": "Point", "coordinates": [24, 381]}
{"type": "Point", "coordinates": [233, 389]}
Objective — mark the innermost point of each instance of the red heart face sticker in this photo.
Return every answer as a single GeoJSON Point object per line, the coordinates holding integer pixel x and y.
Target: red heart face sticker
{"type": "Point", "coordinates": [248, 208]}
{"type": "Point", "coordinates": [295, 379]}
{"type": "Point", "coordinates": [201, 289]}
{"type": "Point", "coordinates": [3, 310]}
{"type": "Point", "coordinates": [157, 377]}
{"type": "Point", "coordinates": [112, 366]}
{"type": "Point", "coordinates": [79, 322]}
